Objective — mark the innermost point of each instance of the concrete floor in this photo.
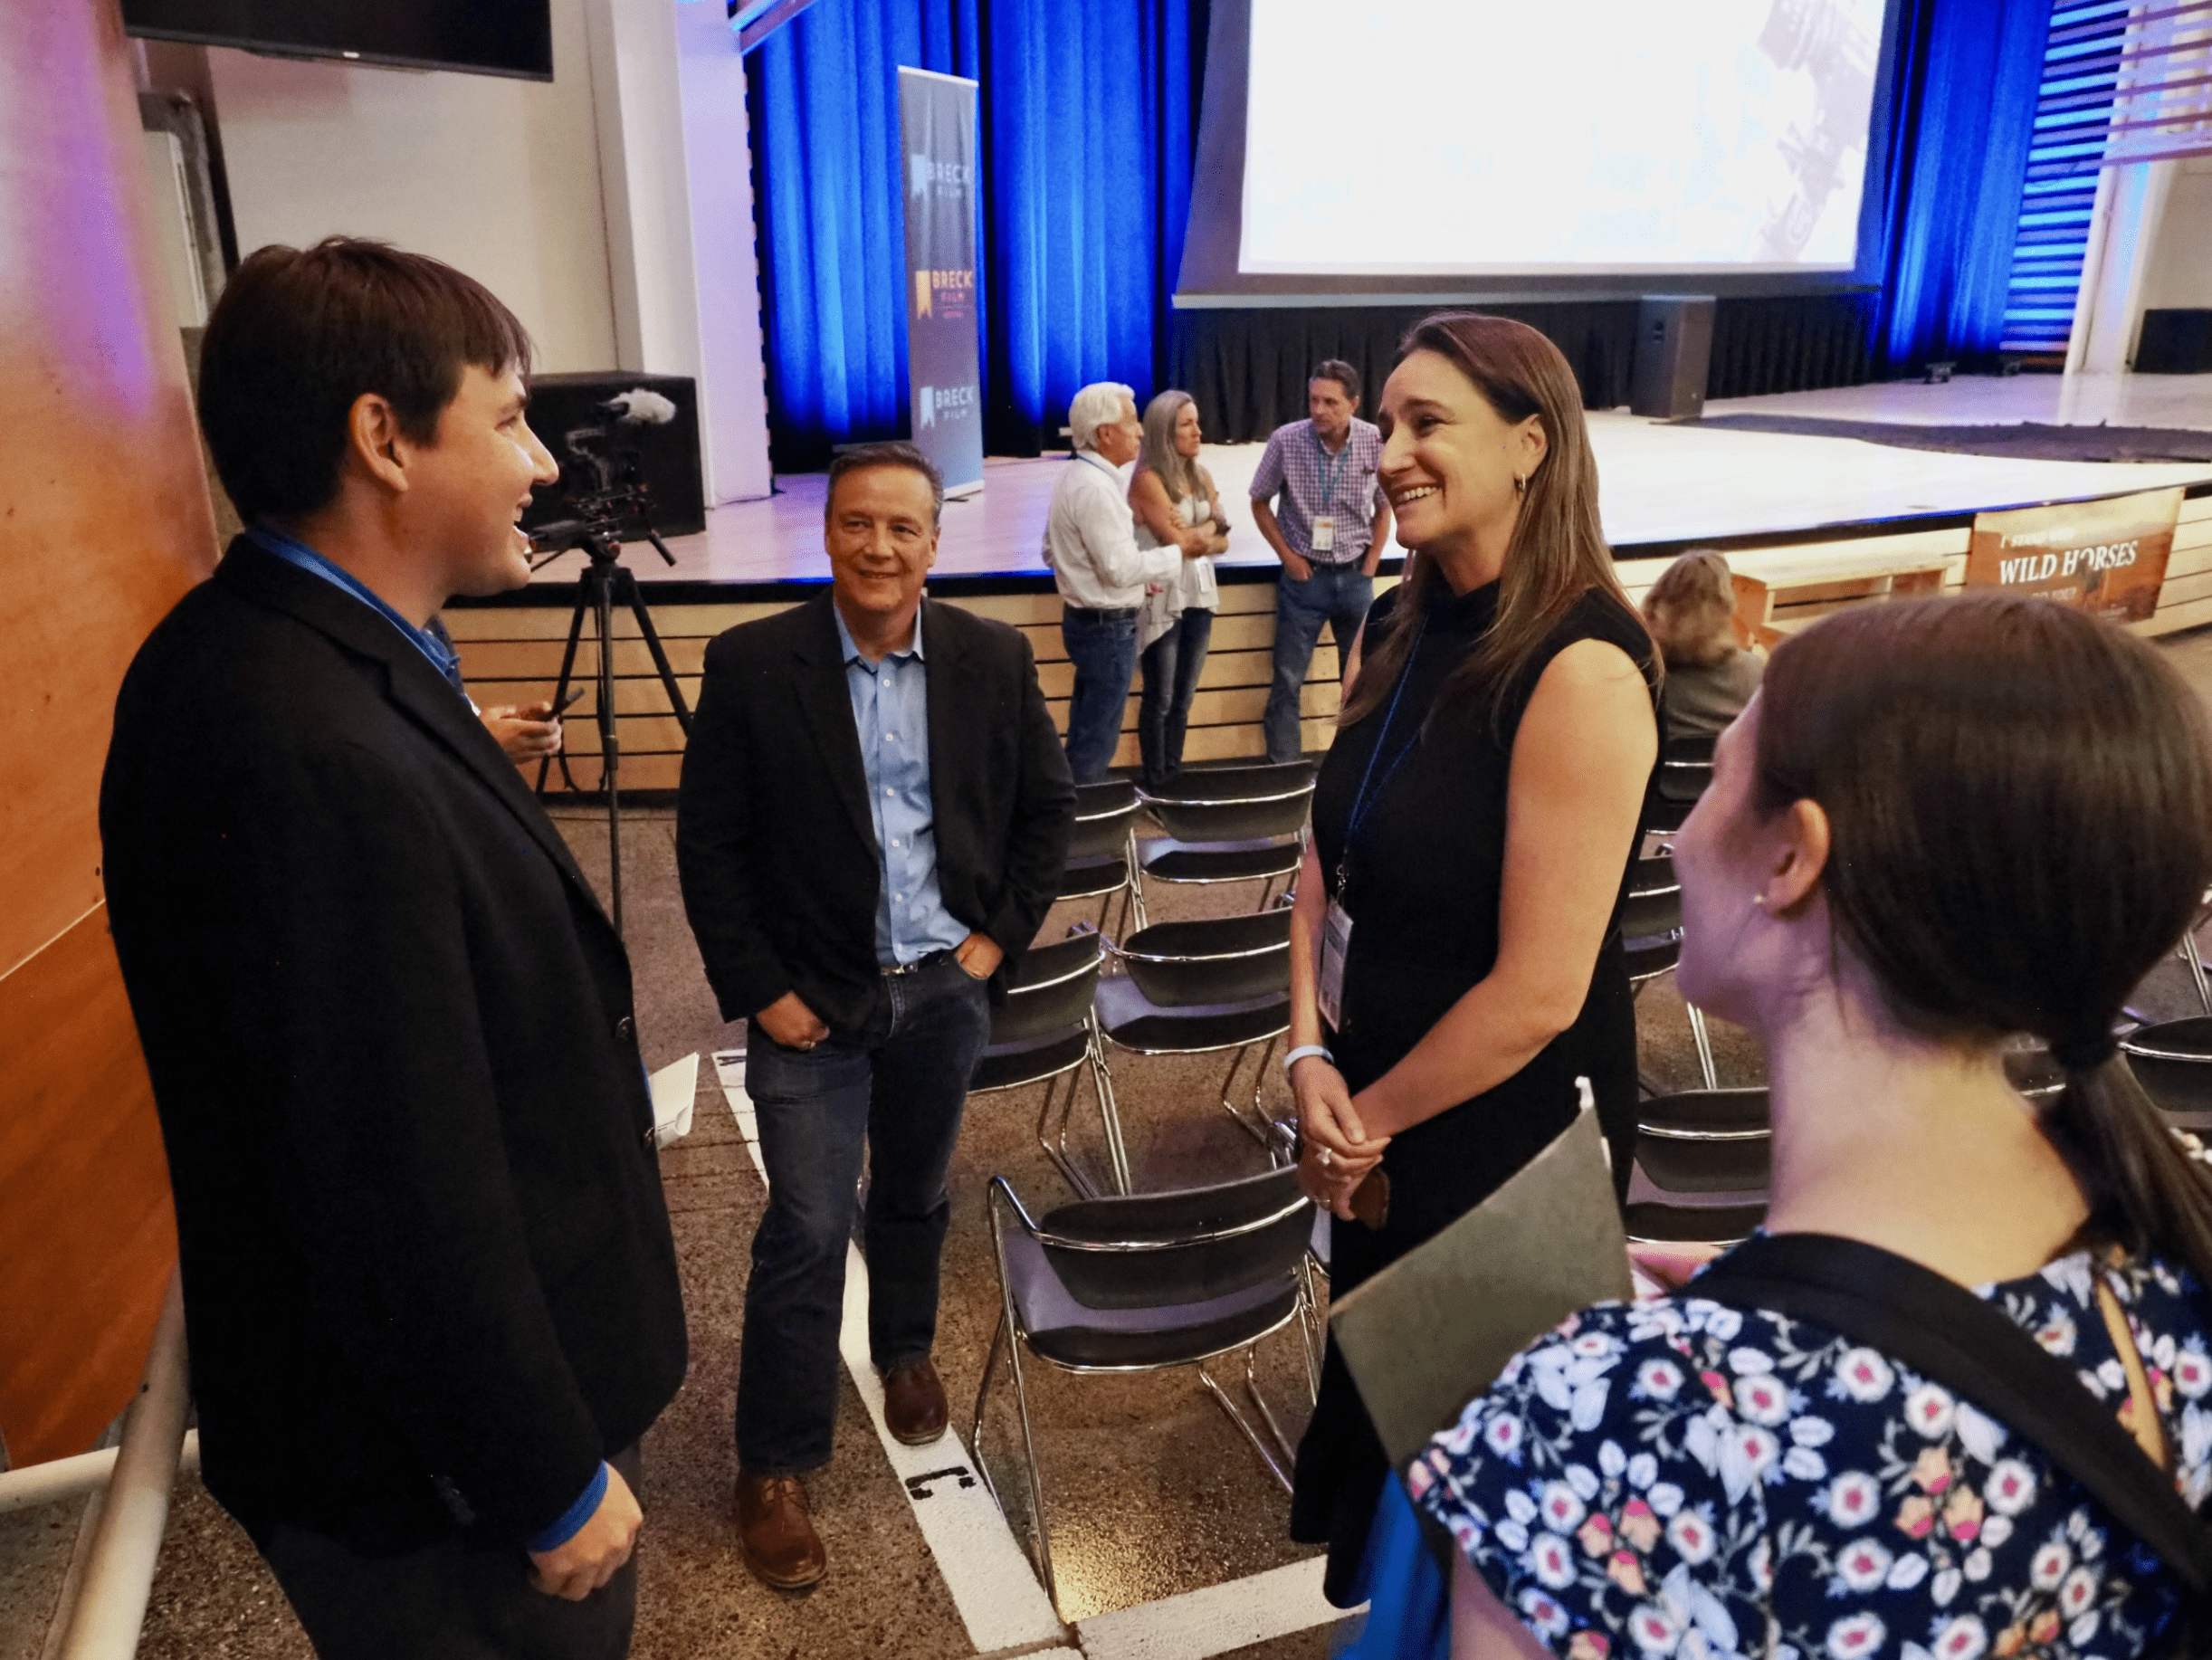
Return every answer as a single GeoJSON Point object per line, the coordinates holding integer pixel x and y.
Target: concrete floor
{"type": "Point", "coordinates": [1151, 1491]}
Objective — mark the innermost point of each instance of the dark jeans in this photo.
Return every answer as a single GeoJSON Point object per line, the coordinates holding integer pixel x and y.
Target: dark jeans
{"type": "Point", "coordinates": [1102, 645]}
{"type": "Point", "coordinates": [1337, 595]}
{"type": "Point", "coordinates": [1171, 665]}
{"type": "Point", "coordinates": [817, 1109]}
{"type": "Point", "coordinates": [453, 1600]}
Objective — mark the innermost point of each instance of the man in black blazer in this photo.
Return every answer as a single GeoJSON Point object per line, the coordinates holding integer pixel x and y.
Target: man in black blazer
{"type": "Point", "coordinates": [874, 814]}
{"type": "Point", "coordinates": [430, 1290]}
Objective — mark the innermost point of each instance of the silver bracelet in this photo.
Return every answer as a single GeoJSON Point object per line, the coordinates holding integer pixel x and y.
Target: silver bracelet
{"type": "Point", "coordinates": [1302, 1052]}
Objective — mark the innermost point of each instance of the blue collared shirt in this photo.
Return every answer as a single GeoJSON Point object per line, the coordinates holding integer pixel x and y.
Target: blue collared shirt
{"type": "Point", "coordinates": [891, 711]}
{"type": "Point", "coordinates": [292, 551]}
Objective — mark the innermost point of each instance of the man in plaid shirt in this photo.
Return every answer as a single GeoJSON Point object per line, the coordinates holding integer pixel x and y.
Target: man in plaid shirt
{"type": "Point", "coordinates": [1315, 501]}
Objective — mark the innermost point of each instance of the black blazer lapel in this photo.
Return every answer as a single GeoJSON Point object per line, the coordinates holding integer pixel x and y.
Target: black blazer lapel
{"type": "Point", "coordinates": [951, 710]}
{"type": "Point", "coordinates": [827, 704]}
{"type": "Point", "coordinates": [409, 682]}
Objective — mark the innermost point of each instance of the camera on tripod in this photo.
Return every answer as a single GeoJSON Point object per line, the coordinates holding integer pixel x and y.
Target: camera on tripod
{"type": "Point", "coordinates": [610, 493]}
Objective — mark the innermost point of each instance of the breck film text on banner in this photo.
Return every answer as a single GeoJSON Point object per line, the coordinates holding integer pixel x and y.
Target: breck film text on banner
{"type": "Point", "coordinates": [2106, 557]}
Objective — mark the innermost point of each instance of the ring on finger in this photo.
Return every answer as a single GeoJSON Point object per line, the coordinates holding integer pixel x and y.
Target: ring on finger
{"type": "Point", "coordinates": [1325, 1159]}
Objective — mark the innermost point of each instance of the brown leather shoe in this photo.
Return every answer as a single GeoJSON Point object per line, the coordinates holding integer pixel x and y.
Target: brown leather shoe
{"type": "Point", "coordinates": [774, 1534]}
{"type": "Point", "coordinates": [914, 1403]}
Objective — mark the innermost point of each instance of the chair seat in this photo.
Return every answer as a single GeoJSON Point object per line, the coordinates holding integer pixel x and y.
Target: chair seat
{"type": "Point", "coordinates": [1134, 1021]}
{"type": "Point", "coordinates": [1648, 959]}
{"type": "Point", "coordinates": [1016, 1065]}
{"type": "Point", "coordinates": [1062, 1329]}
{"type": "Point", "coordinates": [1692, 1115]}
{"type": "Point", "coordinates": [1165, 859]}
{"type": "Point", "coordinates": [1692, 1225]}
{"type": "Point", "coordinates": [1088, 878]}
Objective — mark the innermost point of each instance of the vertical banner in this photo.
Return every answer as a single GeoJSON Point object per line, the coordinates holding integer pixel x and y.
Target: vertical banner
{"type": "Point", "coordinates": [2108, 556]}
{"type": "Point", "coordinates": [936, 131]}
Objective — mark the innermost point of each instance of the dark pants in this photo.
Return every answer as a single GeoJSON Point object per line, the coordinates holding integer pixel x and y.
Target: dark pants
{"type": "Point", "coordinates": [817, 1109]}
{"type": "Point", "coordinates": [454, 1600]}
{"type": "Point", "coordinates": [1171, 666]}
{"type": "Point", "coordinates": [1102, 645]}
{"type": "Point", "coordinates": [1337, 595]}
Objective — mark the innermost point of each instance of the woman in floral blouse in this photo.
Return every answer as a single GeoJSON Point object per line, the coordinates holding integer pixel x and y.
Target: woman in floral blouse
{"type": "Point", "coordinates": [1940, 823]}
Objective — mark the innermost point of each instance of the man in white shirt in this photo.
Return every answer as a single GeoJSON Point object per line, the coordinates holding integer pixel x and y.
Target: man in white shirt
{"type": "Point", "coordinates": [1090, 544]}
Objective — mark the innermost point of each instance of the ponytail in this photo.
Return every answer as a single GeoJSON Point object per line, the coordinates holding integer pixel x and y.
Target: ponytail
{"type": "Point", "coordinates": [2146, 1191]}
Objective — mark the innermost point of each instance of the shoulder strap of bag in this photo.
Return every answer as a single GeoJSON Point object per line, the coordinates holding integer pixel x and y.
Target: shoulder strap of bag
{"type": "Point", "coordinates": [1946, 1333]}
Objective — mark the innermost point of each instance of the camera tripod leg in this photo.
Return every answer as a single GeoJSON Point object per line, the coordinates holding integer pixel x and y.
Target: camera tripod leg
{"type": "Point", "coordinates": [599, 578]}
{"type": "Point", "coordinates": [637, 602]}
{"type": "Point", "coordinates": [560, 686]}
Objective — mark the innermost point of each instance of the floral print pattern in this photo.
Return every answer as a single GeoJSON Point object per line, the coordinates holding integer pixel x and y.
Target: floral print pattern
{"type": "Point", "coordinates": [1678, 1478]}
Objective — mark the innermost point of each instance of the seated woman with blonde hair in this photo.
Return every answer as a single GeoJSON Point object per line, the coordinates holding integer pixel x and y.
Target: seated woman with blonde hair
{"type": "Point", "coordinates": [1708, 676]}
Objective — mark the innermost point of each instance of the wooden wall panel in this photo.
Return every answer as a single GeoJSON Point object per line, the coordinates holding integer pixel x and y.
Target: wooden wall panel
{"type": "Point", "coordinates": [104, 522]}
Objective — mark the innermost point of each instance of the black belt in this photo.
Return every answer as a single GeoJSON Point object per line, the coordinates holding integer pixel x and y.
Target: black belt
{"type": "Point", "coordinates": [1103, 610]}
{"type": "Point", "coordinates": [919, 963]}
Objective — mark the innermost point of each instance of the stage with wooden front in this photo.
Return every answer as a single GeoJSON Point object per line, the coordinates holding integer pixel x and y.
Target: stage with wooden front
{"type": "Point", "coordinates": [1812, 522]}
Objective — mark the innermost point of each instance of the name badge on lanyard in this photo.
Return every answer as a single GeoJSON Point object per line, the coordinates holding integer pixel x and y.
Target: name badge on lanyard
{"type": "Point", "coordinates": [1336, 940]}
{"type": "Point", "coordinates": [1324, 532]}
{"type": "Point", "coordinates": [1337, 925]}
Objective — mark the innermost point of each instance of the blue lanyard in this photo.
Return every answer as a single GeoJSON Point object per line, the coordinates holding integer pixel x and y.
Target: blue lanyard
{"type": "Point", "coordinates": [1333, 470]}
{"type": "Point", "coordinates": [1363, 804]}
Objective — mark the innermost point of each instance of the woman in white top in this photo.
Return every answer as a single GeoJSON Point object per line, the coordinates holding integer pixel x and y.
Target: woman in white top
{"type": "Point", "coordinates": [1176, 505]}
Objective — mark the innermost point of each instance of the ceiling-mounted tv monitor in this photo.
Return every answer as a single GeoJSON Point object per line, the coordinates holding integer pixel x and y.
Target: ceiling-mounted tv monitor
{"type": "Point", "coordinates": [483, 37]}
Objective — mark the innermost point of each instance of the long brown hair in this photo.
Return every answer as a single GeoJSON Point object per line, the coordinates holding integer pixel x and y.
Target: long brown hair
{"type": "Point", "coordinates": [1688, 611]}
{"type": "Point", "coordinates": [2020, 804]}
{"type": "Point", "coordinates": [1557, 553]}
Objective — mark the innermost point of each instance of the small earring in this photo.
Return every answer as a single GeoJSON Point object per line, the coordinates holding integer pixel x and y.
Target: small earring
{"type": "Point", "coordinates": [1520, 483]}
{"type": "Point", "coordinates": [1760, 899]}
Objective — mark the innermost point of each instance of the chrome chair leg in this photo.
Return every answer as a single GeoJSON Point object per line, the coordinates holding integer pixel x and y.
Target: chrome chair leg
{"type": "Point", "coordinates": [2196, 961]}
{"type": "Point", "coordinates": [1009, 1329]}
{"type": "Point", "coordinates": [1312, 1327]}
{"type": "Point", "coordinates": [1275, 1466]}
{"type": "Point", "coordinates": [1703, 1040]}
{"type": "Point", "coordinates": [983, 1396]}
{"type": "Point", "coordinates": [1255, 1126]}
{"type": "Point", "coordinates": [1054, 1141]}
{"type": "Point", "coordinates": [1109, 1111]}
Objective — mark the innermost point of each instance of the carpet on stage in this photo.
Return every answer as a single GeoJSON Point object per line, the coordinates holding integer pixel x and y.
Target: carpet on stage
{"type": "Point", "coordinates": [2026, 441]}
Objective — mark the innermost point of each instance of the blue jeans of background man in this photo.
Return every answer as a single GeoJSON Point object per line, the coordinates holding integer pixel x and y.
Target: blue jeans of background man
{"type": "Point", "coordinates": [1171, 666]}
{"type": "Point", "coordinates": [1102, 645]}
{"type": "Point", "coordinates": [1337, 595]}
{"type": "Point", "coordinates": [817, 1108]}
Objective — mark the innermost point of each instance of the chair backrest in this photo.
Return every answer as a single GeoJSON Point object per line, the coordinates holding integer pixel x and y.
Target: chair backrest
{"type": "Point", "coordinates": [1687, 1224]}
{"type": "Point", "coordinates": [2173, 1062]}
{"type": "Point", "coordinates": [1210, 960]}
{"type": "Point", "coordinates": [1103, 812]}
{"type": "Point", "coordinates": [1234, 804]}
{"type": "Point", "coordinates": [1155, 1250]}
{"type": "Point", "coordinates": [1685, 768]}
{"type": "Point", "coordinates": [1652, 908]}
{"type": "Point", "coordinates": [1708, 1115]}
{"type": "Point", "coordinates": [1050, 992]}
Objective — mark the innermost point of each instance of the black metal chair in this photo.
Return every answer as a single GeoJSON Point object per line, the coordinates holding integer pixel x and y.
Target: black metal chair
{"type": "Point", "coordinates": [1197, 988]}
{"type": "Point", "coordinates": [1650, 940]}
{"type": "Point", "coordinates": [1702, 1165]}
{"type": "Point", "coordinates": [1685, 768]}
{"type": "Point", "coordinates": [1228, 825]}
{"type": "Point", "coordinates": [2173, 1062]}
{"type": "Point", "coordinates": [1043, 1033]}
{"type": "Point", "coordinates": [1102, 855]}
{"type": "Point", "coordinates": [1144, 1284]}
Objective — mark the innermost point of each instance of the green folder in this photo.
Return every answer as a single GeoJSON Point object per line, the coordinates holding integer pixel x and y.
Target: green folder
{"type": "Point", "coordinates": [1433, 1330]}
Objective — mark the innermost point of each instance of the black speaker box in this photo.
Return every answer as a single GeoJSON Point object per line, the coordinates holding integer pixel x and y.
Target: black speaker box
{"type": "Point", "coordinates": [2175, 342]}
{"type": "Point", "coordinates": [667, 456]}
{"type": "Point", "coordinates": [1673, 357]}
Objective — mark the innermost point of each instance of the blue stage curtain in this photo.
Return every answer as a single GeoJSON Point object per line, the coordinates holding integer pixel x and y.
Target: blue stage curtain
{"type": "Point", "coordinates": [1087, 136]}
{"type": "Point", "coordinates": [1963, 103]}
{"type": "Point", "coordinates": [827, 184]}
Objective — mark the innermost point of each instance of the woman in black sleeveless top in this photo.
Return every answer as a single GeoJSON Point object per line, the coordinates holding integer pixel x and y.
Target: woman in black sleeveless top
{"type": "Point", "coordinates": [1475, 821]}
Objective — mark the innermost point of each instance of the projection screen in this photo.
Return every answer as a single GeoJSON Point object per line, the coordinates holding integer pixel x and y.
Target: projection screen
{"type": "Point", "coordinates": [1452, 147]}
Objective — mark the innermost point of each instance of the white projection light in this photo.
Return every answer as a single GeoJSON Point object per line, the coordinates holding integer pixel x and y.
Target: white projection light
{"type": "Point", "coordinates": [1496, 138]}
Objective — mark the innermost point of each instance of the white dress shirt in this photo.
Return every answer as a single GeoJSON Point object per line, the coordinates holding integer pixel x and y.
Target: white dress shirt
{"type": "Point", "coordinates": [1090, 539]}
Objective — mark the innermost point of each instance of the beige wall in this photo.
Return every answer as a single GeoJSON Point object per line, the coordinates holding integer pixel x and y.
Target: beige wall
{"type": "Point", "coordinates": [499, 177]}
{"type": "Point", "coordinates": [2181, 271]}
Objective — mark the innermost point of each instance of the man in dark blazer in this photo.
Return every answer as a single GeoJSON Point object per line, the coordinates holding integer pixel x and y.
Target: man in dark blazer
{"type": "Point", "coordinates": [430, 1290]}
{"type": "Point", "coordinates": [874, 814]}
